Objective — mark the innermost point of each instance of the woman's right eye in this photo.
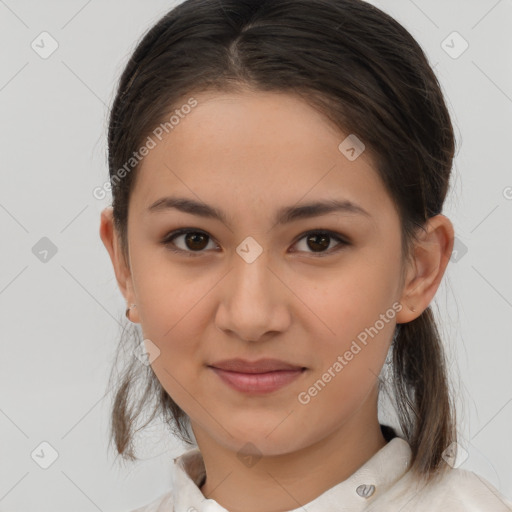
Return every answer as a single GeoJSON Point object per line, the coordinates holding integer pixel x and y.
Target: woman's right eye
{"type": "Point", "coordinates": [192, 241]}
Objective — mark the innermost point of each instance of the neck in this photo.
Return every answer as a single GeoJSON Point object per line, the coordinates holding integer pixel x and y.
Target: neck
{"type": "Point", "coordinates": [290, 480]}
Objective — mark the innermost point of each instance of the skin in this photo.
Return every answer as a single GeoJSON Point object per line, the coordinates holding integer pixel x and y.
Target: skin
{"type": "Point", "coordinates": [248, 154]}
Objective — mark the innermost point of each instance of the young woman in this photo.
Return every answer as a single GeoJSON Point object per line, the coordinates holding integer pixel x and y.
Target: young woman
{"type": "Point", "coordinates": [278, 171]}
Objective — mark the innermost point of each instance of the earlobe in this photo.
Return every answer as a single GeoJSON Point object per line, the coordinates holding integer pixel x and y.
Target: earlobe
{"type": "Point", "coordinates": [431, 255]}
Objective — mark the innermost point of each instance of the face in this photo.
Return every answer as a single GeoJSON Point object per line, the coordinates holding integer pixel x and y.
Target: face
{"type": "Point", "coordinates": [315, 289]}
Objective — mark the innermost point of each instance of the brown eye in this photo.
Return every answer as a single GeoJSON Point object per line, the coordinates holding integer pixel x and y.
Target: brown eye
{"type": "Point", "coordinates": [196, 241]}
{"type": "Point", "coordinates": [319, 241]}
{"type": "Point", "coordinates": [189, 241]}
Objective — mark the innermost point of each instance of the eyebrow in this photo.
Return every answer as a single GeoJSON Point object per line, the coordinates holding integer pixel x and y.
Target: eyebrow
{"type": "Point", "coordinates": [284, 215]}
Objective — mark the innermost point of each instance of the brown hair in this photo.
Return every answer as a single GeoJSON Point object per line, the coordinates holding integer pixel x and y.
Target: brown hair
{"type": "Point", "coordinates": [367, 75]}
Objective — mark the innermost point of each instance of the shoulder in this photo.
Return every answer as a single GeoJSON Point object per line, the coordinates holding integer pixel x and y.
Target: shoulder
{"type": "Point", "coordinates": [162, 504]}
{"type": "Point", "coordinates": [468, 488]}
{"type": "Point", "coordinates": [457, 490]}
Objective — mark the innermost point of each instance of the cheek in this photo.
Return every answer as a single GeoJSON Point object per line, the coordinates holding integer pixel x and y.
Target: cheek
{"type": "Point", "coordinates": [355, 323]}
{"type": "Point", "coordinates": [172, 297]}
{"type": "Point", "coordinates": [348, 299]}
{"type": "Point", "coordinates": [174, 316]}
{"type": "Point", "coordinates": [348, 369]}
{"type": "Point", "coordinates": [176, 327]}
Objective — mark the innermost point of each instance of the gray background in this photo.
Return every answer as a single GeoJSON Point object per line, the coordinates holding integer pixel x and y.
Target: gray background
{"type": "Point", "coordinates": [62, 313]}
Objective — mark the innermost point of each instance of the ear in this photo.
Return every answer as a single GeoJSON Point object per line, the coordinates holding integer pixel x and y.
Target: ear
{"type": "Point", "coordinates": [111, 240]}
{"type": "Point", "coordinates": [431, 254]}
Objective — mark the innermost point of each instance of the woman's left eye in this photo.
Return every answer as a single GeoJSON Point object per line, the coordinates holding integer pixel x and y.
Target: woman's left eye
{"type": "Point", "coordinates": [320, 240]}
{"type": "Point", "coordinates": [195, 241]}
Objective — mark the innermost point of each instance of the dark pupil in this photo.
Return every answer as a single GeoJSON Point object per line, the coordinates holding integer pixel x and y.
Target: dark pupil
{"type": "Point", "coordinates": [321, 244]}
{"type": "Point", "coordinates": [195, 238]}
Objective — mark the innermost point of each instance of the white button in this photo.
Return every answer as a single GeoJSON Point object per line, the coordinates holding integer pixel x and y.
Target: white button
{"type": "Point", "coordinates": [365, 491]}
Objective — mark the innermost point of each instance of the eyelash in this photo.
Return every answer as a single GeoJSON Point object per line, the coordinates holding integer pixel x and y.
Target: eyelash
{"type": "Point", "coordinates": [168, 241]}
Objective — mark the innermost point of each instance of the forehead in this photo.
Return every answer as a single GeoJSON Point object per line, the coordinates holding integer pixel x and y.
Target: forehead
{"type": "Point", "coordinates": [261, 148]}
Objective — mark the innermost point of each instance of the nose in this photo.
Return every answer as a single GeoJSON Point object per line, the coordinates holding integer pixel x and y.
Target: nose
{"type": "Point", "coordinates": [254, 301]}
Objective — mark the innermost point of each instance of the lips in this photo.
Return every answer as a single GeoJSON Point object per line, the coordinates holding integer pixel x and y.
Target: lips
{"type": "Point", "coordinates": [259, 366]}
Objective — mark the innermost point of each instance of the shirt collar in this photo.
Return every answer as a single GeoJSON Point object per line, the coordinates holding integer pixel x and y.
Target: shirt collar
{"type": "Point", "coordinates": [370, 481]}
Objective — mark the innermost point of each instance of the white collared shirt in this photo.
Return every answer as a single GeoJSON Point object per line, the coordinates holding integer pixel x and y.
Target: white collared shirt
{"type": "Point", "coordinates": [382, 484]}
